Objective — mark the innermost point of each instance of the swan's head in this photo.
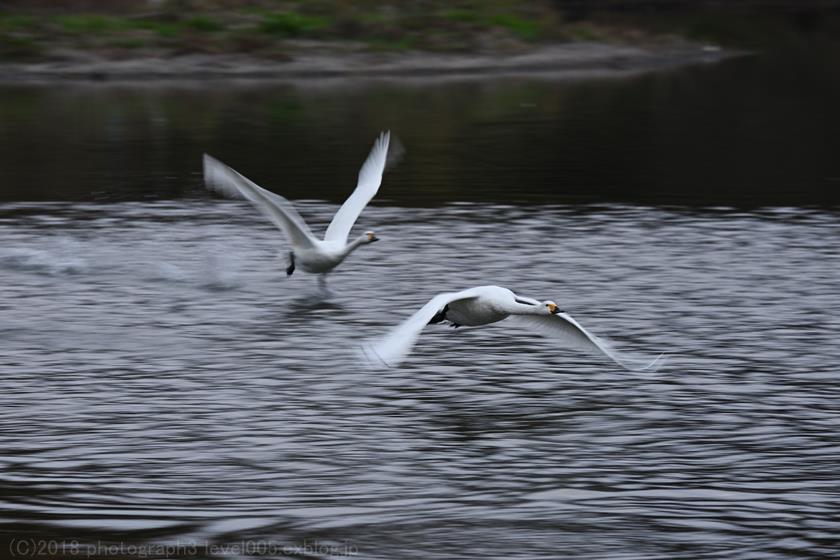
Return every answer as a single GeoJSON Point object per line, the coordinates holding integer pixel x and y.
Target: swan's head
{"type": "Point", "coordinates": [551, 308]}
{"type": "Point", "coordinates": [371, 237]}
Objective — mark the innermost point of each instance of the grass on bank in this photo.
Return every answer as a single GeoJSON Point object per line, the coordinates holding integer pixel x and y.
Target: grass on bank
{"type": "Point", "coordinates": [264, 26]}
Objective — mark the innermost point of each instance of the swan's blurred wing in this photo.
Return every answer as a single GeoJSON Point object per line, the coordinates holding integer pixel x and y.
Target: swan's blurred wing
{"type": "Point", "coordinates": [564, 328]}
{"type": "Point", "coordinates": [224, 180]}
{"type": "Point", "coordinates": [370, 177]}
{"type": "Point", "coordinates": [395, 346]}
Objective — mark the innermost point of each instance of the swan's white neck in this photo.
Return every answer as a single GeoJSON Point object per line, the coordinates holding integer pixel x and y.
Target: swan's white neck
{"type": "Point", "coordinates": [516, 308]}
{"type": "Point", "coordinates": [353, 245]}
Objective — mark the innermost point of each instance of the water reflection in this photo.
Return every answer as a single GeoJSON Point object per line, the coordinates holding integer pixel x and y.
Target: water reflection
{"type": "Point", "coordinates": [751, 131]}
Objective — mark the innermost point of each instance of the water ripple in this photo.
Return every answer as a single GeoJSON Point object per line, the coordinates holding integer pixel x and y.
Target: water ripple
{"type": "Point", "coordinates": [163, 379]}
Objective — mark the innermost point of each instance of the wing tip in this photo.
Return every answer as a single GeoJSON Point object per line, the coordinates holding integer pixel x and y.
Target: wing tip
{"type": "Point", "coordinates": [384, 140]}
{"type": "Point", "coordinates": [207, 164]}
{"type": "Point", "coordinates": [207, 159]}
{"type": "Point", "coordinates": [211, 167]}
{"type": "Point", "coordinates": [374, 358]}
{"type": "Point", "coordinates": [220, 178]}
{"type": "Point", "coordinates": [640, 365]}
{"type": "Point", "coordinates": [656, 364]}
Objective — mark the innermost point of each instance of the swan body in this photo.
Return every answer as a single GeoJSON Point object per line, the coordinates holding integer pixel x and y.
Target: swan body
{"type": "Point", "coordinates": [484, 305]}
{"type": "Point", "coordinates": [491, 306]}
{"type": "Point", "coordinates": [313, 255]}
{"type": "Point", "coordinates": [325, 255]}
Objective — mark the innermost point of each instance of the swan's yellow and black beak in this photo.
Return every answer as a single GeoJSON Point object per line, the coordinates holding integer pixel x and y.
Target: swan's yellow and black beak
{"type": "Point", "coordinates": [372, 237]}
{"type": "Point", "coordinates": [552, 307]}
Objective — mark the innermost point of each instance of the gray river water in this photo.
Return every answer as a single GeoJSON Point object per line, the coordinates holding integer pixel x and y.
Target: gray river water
{"type": "Point", "coordinates": [164, 383]}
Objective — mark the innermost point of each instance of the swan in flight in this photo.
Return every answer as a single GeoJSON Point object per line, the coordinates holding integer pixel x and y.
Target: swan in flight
{"type": "Point", "coordinates": [310, 253]}
{"type": "Point", "coordinates": [488, 304]}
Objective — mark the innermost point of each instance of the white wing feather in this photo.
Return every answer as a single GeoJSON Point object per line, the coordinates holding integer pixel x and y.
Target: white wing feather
{"type": "Point", "coordinates": [225, 180]}
{"type": "Point", "coordinates": [396, 345]}
{"type": "Point", "coordinates": [370, 177]}
{"type": "Point", "coordinates": [564, 328]}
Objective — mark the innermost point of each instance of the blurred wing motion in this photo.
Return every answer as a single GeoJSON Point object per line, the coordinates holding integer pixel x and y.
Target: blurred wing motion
{"type": "Point", "coordinates": [393, 349]}
{"type": "Point", "coordinates": [224, 180]}
{"type": "Point", "coordinates": [370, 177]}
{"type": "Point", "coordinates": [564, 328]}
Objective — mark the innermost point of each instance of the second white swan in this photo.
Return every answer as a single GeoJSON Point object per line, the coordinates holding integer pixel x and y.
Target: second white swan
{"type": "Point", "coordinates": [313, 255]}
{"type": "Point", "coordinates": [488, 304]}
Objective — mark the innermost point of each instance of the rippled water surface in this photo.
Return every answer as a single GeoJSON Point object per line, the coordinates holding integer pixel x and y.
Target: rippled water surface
{"type": "Point", "coordinates": [163, 379]}
{"type": "Point", "coordinates": [164, 382]}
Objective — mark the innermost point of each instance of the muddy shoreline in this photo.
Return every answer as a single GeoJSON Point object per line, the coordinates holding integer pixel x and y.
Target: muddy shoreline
{"type": "Point", "coordinates": [566, 60]}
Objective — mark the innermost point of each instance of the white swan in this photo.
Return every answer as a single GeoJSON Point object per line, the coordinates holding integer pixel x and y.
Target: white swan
{"type": "Point", "coordinates": [310, 253]}
{"type": "Point", "coordinates": [488, 304]}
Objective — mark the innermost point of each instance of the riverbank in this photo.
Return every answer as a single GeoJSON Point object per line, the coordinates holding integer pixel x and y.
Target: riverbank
{"type": "Point", "coordinates": [320, 59]}
{"type": "Point", "coordinates": [251, 39]}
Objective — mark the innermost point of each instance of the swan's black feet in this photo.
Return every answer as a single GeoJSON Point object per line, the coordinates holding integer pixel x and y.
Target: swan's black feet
{"type": "Point", "coordinates": [440, 316]}
{"type": "Point", "coordinates": [454, 325]}
{"type": "Point", "coordinates": [291, 268]}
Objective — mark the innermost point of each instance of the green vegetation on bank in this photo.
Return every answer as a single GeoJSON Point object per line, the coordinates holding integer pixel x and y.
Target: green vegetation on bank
{"type": "Point", "coordinates": [276, 28]}
{"type": "Point", "coordinates": [265, 27]}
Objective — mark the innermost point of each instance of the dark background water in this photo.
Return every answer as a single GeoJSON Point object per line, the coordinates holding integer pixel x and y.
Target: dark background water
{"type": "Point", "coordinates": [752, 131]}
{"type": "Point", "coordinates": [163, 382]}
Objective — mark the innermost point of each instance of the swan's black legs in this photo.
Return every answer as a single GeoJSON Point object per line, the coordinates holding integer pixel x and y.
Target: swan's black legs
{"type": "Point", "coordinates": [291, 268]}
{"type": "Point", "coordinates": [440, 316]}
{"type": "Point", "coordinates": [322, 282]}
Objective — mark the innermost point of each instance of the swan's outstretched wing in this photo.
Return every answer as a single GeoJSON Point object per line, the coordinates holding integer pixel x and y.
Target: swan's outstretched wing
{"type": "Point", "coordinates": [564, 328]}
{"type": "Point", "coordinates": [225, 180]}
{"type": "Point", "coordinates": [395, 346]}
{"type": "Point", "coordinates": [370, 177]}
